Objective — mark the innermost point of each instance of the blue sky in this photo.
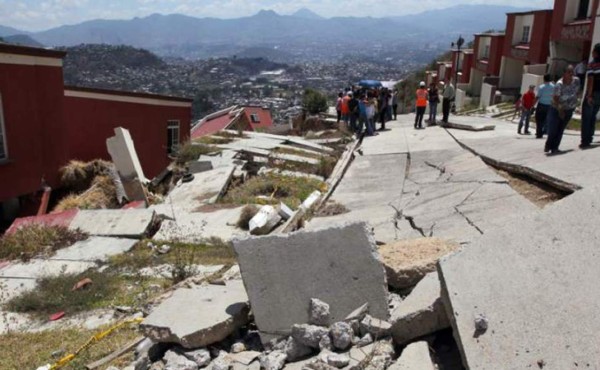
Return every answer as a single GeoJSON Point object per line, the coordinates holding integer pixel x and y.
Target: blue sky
{"type": "Point", "coordinates": [33, 15]}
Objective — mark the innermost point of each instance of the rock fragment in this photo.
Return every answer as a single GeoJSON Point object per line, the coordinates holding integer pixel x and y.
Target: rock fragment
{"type": "Point", "coordinates": [341, 334]}
{"type": "Point", "coordinates": [319, 312]}
{"type": "Point", "coordinates": [376, 327]}
{"type": "Point", "coordinates": [309, 335]}
{"type": "Point", "coordinates": [295, 350]}
{"type": "Point", "coordinates": [200, 356]}
{"type": "Point", "coordinates": [175, 361]}
{"type": "Point", "coordinates": [272, 361]}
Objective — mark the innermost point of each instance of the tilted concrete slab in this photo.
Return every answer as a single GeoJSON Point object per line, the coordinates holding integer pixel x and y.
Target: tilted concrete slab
{"type": "Point", "coordinates": [469, 123]}
{"type": "Point", "coordinates": [206, 188]}
{"type": "Point", "coordinates": [535, 282]}
{"type": "Point", "coordinates": [294, 158]}
{"type": "Point", "coordinates": [196, 227]}
{"type": "Point", "coordinates": [130, 223]}
{"type": "Point", "coordinates": [123, 154]}
{"type": "Point", "coordinates": [414, 357]}
{"type": "Point", "coordinates": [421, 313]}
{"type": "Point", "coordinates": [339, 266]}
{"type": "Point", "coordinates": [199, 316]}
{"type": "Point", "coordinates": [94, 249]}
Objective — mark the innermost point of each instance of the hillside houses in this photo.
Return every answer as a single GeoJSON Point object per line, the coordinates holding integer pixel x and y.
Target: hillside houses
{"type": "Point", "coordinates": [534, 43]}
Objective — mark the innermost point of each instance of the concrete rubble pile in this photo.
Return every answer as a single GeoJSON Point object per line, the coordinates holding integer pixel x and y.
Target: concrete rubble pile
{"type": "Point", "coordinates": [330, 309]}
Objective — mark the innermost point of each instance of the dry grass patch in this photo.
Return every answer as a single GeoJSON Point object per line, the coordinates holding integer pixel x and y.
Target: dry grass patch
{"type": "Point", "coordinates": [332, 208]}
{"type": "Point", "coordinates": [213, 140]}
{"type": "Point", "coordinates": [55, 294]}
{"type": "Point", "coordinates": [79, 175]}
{"type": "Point", "coordinates": [37, 240]}
{"type": "Point", "coordinates": [298, 152]}
{"type": "Point", "coordinates": [276, 188]}
{"type": "Point", "coordinates": [101, 195]}
{"type": "Point", "coordinates": [31, 350]}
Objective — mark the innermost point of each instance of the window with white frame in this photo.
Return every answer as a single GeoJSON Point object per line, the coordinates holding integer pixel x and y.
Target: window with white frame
{"type": "Point", "coordinates": [3, 147]}
{"type": "Point", "coordinates": [255, 118]}
{"type": "Point", "coordinates": [172, 136]}
{"type": "Point", "coordinates": [526, 32]}
{"type": "Point", "coordinates": [486, 52]}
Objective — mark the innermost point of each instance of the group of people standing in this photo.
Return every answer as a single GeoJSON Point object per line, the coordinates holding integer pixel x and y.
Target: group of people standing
{"type": "Point", "coordinates": [361, 109]}
{"type": "Point", "coordinates": [431, 97]}
{"type": "Point", "coordinates": [556, 104]}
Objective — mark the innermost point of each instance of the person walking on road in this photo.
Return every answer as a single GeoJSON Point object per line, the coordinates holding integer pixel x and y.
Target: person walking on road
{"type": "Point", "coordinates": [434, 99]}
{"type": "Point", "coordinates": [395, 104]}
{"type": "Point", "coordinates": [544, 98]}
{"type": "Point", "coordinates": [591, 101]}
{"type": "Point", "coordinates": [528, 102]}
{"type": "Point", "coordinates": [564, 102]}
{"type": "Point", "coordinates": [448, 96]}
{"type": "Point", "coordinates": [338, 107]}
{"type": "Point", "coordinates": [421, 103]}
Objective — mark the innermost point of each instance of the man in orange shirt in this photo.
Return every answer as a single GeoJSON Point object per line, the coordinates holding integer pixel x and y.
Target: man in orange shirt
{"type": "Point", "coordinates": [346, 108]}
{"type": "Point", "coordinates": [422, 97]}
{"type": "Point", "coordinates": [527, 103]}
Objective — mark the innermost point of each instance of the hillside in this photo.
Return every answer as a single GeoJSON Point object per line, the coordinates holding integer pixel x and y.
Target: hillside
{"type": "Point", "coordinates": [24, 40]}
{"type": "Point", "coordinates": [303, 30]}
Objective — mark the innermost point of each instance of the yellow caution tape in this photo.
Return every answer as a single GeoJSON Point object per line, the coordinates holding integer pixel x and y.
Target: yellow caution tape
{"type": "Point", "coordinates": [96, 338]}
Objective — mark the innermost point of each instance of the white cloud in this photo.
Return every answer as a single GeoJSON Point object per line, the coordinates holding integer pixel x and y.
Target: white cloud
{"type": "Point", "coordinates": [36, 15]}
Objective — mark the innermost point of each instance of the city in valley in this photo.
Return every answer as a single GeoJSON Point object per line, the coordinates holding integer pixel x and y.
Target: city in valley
{"type": "Point", "coordinates": [266, 185]}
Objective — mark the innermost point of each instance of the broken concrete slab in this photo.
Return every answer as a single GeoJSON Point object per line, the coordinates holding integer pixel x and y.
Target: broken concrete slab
{"type": "Point", "coordinates": [199, 166]}
{"type": "Point", "coordinates": [421, 313]}
{"type": "Point", "coordinates": [265, 220]}
{"type": "Point", "coordinates": [94, 249]}
{"type": "Point", "coordinates": [540, 289]}
{"type": "Point", "coordinates": [123, 154]}
{"type": "Point", "coordinates": [200, 316]}
{"type": "Point", "coordinates": [294, 158]}
{"type": "Point", "coordinates": [206, 188]}
{"type": "Point", "coordinates": [408, 261]}
{"type": "Point", "coordinates": [469, 126]}
{"type": "Point", "coordinates": [341, 267]}
{"type": "Point", "coordinates": [128, 223]}
{"type": "Point", "coordinates": [414, 357]}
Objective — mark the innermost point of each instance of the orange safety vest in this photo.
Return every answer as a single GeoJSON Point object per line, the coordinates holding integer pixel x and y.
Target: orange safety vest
{"type": "Point", "coordinates": [421, 98]}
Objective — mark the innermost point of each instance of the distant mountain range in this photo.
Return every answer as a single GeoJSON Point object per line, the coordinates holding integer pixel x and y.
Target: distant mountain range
{"type": "Point", "coordinates": [267, 29]}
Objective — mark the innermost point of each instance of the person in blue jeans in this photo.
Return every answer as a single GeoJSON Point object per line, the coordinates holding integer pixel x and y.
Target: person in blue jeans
{"type": "Point", "coordinates": [544, 97]}
{"type": "Point", "coordinates": [591, 101]}
{"type": "Point", "coordinates": [564, 102]}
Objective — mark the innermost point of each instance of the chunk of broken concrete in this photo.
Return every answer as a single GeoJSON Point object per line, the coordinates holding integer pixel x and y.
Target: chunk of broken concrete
{"type": "Point", "coordinates": [421, 313]}
{"type": "Point", "coordinates": [408, 261]}
{"type": "Point", "coordinates": [200, 316]}
{"type": "Point", "coordinates": [238, 347]}
{"type": "Point", "coordinates": [264, 221]}
{"type": "Point", "coordinates": [359, 313]}
{"type": "Point", "coordinates": [175, 361]}
{"type": "Point", "coordinates": [200, 356]}
{"type": "Point", "coordinates": [341, 334]}
{"type": "Point", "coordinates": [282, 273]}
{"type": "Point", "coordinates": [296, 350]}
{"type": "Point", "coordinates": [124, 156]}
{"type": "Point", "coordinates": [325, 343]}
{"type": "Point", "coordinates": [319, 312]}
{"type": "Point", "coordinates": [337, 360]}
{"type": "Point", "coordinates": [222, 362]}
{"type": "Point", "coordinates": [414, 357]}
{"type": "Point", "coordinates": [272, 361]}
{"type": "Point", "coordinates": [311, 200]}
{"type": "Point", "coordinates": [376, 327]}
{"type": "Point", "coordinates": [365, 340]}
{"type": "Point", "coordinates": [285, 212]}
{"type": "Point", "coordinates": [309, 335]}
{"type": "Point", "coordinates": [372, 356]}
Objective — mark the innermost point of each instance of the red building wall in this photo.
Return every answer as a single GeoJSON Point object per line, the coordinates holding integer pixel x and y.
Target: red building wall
{"type": "Point", "coordinates": [91, 121]}
{"type": "Point", "coordinates": [539, 43]}
{"type": "Point", "coordinates": [490, 67]}
{"type": "Point", "coordinates": [583, 31]}
{"type": "Point", "coordinates": [32, 101]}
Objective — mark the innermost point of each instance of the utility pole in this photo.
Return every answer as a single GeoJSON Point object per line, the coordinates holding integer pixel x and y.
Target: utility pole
{"type": "Point", "coordinates": [459, 44]}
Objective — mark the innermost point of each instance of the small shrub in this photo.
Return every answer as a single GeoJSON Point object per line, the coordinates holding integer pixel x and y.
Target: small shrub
{"type": "Point", "coordinates": [326, 166]}
{"type": "Point", "coordinates": [314, 102]}
{"type": "Point", "coordinates": [248, 212]}
{"type": "Point", "coordinates": [191, 152]}
{"type": "Point", "coordinates": [78, 175]}
{"type": "Point", "coordinates": [33, 240]}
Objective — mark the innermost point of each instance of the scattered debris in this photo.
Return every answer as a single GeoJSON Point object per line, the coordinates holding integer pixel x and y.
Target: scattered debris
{"type": "Point", "coordinates": [81, 284]}
{"type": "Point", "coordinates": [414, 357]}
{"type": "Point", "coordinates": [319, 312]}
{"type": "Point", "coordinates": [264, 221]}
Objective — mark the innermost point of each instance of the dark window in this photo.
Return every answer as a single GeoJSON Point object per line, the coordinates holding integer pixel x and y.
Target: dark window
{"type": "Point", "coordinates": [582, 12]}
{"type": "Point", "coordinates": [525, 37]}
{"type": "Point", "coordinates": [172, 136]}
{"type": "Point", "coordinates": [255, 118]}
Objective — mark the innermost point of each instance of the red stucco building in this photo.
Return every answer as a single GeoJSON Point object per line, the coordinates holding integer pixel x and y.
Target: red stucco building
{"type": "Point", "coordinates": [44, 124]}
{"type": "Point", "coordinates": [247, 118]}
{"type": "Point", "coordinates": [464, 58]}
{"type": "Point", "coordinates": [526, 47]}
{"type": "Point", "coordinates": [571, 33]}
{"type": "Point", "coordinates": [487, 59]}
